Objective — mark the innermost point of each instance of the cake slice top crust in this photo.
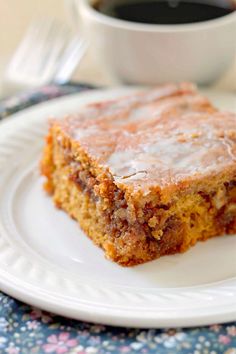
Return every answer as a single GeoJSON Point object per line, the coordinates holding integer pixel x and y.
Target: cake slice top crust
{"type": "Point", "coordinates": [159, 137]}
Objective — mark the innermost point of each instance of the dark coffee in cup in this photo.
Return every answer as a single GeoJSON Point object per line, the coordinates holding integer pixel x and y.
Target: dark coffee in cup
{"type": "Point", "coordinates": [165, 12]}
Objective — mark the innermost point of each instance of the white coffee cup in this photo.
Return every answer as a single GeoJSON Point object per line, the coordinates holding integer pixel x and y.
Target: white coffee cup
{"type": "Point", "coordinates": [139, 53]}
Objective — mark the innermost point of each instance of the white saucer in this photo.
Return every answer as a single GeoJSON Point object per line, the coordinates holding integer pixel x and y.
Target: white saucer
{"type": "Point", "coordinates": [45, 259]}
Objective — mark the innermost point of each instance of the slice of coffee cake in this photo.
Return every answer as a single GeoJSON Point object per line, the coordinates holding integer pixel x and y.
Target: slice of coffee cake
{"type": "Point", "coordinates": [145, 175]}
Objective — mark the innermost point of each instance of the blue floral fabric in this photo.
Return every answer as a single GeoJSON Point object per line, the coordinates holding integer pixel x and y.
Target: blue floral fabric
{"type": "Point", "coordinates": [13, 104]}
{"type": "Point", "coordinates": [25, 329]}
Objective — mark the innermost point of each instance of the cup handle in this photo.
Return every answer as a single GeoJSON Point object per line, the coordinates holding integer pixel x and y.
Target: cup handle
{"type": "Point", "coordinates": [72, 12]}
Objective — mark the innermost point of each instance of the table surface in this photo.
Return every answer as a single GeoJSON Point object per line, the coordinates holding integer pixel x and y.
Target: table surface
{"type": "Point", "coordinates": [24, 329]}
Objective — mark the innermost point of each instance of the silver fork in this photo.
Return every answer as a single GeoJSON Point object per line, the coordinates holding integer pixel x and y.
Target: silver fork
{"type": "Point", "coordinates": [49, 52]}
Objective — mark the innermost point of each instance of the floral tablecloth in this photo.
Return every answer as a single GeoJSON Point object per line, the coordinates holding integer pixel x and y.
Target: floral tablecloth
{"type": "Point", "coordinates": [26, 330]}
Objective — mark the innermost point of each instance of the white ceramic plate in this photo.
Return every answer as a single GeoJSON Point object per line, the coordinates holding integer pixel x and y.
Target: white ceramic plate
{"type": "Point", "coordinates": [45, 259]}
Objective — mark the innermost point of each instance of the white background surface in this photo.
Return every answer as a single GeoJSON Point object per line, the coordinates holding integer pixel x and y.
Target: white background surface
{"type": "Point", "coordinates": [15, 17]}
